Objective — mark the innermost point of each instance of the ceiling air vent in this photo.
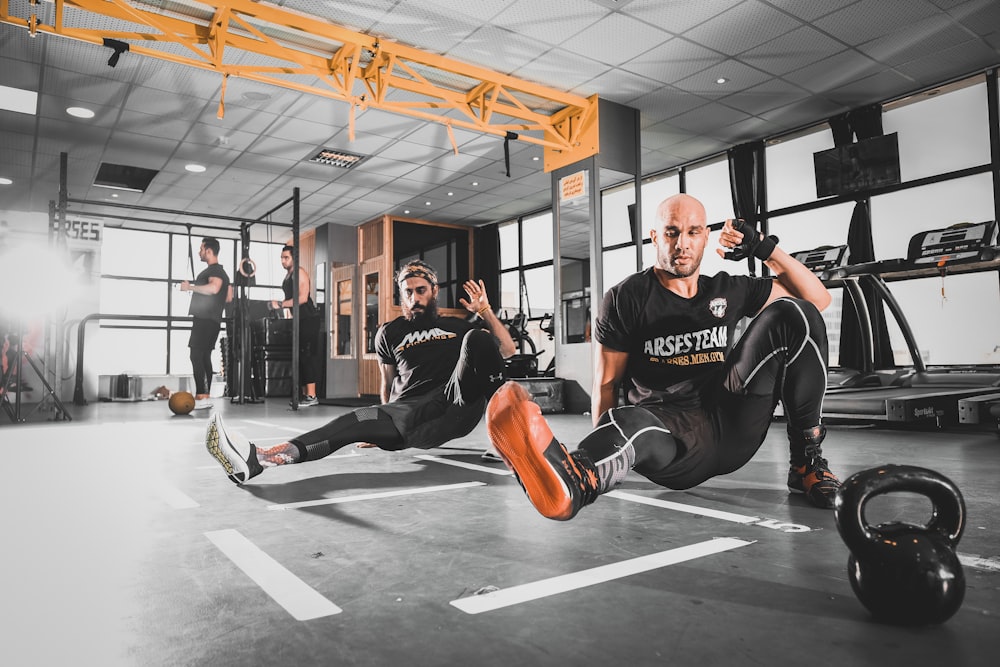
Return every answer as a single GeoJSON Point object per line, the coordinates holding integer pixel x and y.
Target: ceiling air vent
{"type": "Point", "coordinates": [124, 177]}
{"type": "Point", "coordinates": [337, 158]}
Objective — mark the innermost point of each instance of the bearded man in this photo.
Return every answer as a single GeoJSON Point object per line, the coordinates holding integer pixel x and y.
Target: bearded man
{"type": "Point", "coordinates": [438, 373]}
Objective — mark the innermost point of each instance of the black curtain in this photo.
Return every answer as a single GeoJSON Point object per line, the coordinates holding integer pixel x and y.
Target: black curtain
{"type": "Point", "coordinates": [486, 256]}
{"type": "Point", "coordinates": [746, 183]}
{"type": "Point", "coordinates": [863, 123]}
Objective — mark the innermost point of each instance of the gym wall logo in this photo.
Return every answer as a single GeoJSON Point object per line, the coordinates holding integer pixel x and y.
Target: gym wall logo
{"type": "Point", "coordinates": [418, 337]}
{"type": "Point", "coordinates": [718, 307]}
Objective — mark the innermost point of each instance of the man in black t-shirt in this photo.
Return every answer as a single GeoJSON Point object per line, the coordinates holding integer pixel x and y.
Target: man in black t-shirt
{"type": "Point", "coordinates": [698, 403]}
{"type": "Point", "coordinates": [209, 292]}
{"type": "Point", "coordinates": [438, 372]}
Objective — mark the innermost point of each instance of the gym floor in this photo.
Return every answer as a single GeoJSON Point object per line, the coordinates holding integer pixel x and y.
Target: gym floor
{"type": "Point", "coordinates": [126, 544]}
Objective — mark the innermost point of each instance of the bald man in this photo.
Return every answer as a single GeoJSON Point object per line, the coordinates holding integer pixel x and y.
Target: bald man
{"type": "Point", "coordinates": [698, 404]}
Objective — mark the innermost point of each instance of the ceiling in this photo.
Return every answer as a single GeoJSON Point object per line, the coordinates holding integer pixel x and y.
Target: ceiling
{"type": "Point", "coordinates": [787, 64]}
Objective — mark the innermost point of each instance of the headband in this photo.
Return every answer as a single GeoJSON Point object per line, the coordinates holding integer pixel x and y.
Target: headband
{"type": "Point", "coordinates": [415, 270]}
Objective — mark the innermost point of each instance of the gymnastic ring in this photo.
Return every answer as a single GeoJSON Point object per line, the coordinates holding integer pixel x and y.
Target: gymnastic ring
{"type": "Point", "coordinates": [253, 268]}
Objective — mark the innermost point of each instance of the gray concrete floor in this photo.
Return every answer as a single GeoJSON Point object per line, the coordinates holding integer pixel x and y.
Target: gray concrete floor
{"type": "Point", "coordinates": [125, 544]}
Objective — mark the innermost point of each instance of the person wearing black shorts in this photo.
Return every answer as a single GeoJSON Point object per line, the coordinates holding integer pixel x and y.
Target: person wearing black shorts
{"type": "Point", "coordinates": [438, 372]}
{"type": "Point", "coordinates": [209, 293]}
{"type": "Point", "coordinates": [698, 403]}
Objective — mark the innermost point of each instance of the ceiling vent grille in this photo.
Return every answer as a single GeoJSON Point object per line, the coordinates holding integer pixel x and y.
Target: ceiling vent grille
{"type": "Point", "coordinates": [337, 158]}
{"type": "Point", "coordinates": [124, 177]}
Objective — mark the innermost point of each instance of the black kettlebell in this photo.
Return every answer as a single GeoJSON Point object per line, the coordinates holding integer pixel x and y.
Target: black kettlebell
{"type": "Point", "coordinates": [903, 573]}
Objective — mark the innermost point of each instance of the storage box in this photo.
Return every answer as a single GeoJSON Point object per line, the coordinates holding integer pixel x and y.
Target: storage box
{"type": "Point", "coordinates": [547, 392]}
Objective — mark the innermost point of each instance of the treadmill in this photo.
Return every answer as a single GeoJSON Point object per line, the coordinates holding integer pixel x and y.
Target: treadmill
{"type": "Point", "coordinates": [916, 396]}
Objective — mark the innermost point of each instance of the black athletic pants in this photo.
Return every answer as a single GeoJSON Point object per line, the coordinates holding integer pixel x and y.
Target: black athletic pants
{"type": "Point", "coordinates": [427, 421]}
{"type": "Point", "coordinates": [781, 356]}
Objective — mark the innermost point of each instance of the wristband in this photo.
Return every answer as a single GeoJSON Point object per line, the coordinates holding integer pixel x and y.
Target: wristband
{"type": "Point", "coordinates": [752, 244]}
{"type": "Point", "coordinates": [765, 247]}
{"type": "Point", "coordinates": [482, 310]}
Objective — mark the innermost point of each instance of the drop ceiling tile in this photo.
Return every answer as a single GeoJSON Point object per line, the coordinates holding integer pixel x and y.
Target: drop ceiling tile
{"type": "Point", "coordinates": [834, 71]}
{"type": "Point", "coordinates": [769, 95]}
{"type": "Point", "coordinates": [551, 22]}
{"type": "Point", "coordinates": [561, 70]}
{"type": "Point", "coordinates": [862, 22]}
{"type": "Point", "coordinates": [794, 50]}
{"type": "Point", "coordinates": [738, 76]}
{"type": "Point", "coordinates": [744, 26]}
{"type": "Point", "coordinates": [809, 10]}
{"type": "Point", "coordinates": [673, 60]}
{"type": "Point", "coordinates": [616, 39]}
{"type": "Point", "coordinates": [678, 16]}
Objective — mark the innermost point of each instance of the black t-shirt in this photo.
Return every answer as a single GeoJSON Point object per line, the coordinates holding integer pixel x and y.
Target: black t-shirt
{"type": "Point", "coordinates": [424, 352]}
{"type": "Point", "coordinates": [210, 306]}
{"type": "Point", "coordinates": [675, 344]}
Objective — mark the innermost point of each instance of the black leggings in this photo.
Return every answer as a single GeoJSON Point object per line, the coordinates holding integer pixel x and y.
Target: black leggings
{"type": "Point", "coordinates": [782, 355]}
{"type": "Point", "coordinates": [427, 421]}
{"type": "Point", "coordinates": [201, 366]}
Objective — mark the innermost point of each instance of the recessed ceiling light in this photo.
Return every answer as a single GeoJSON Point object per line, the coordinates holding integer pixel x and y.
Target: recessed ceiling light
{"type": "Point", "coordinates": [722, 80]}
{"type": "Point", "coordinates": [474, 183]}
{"type": "Point", "coordinates": [80, 112]}
{"type": "Point", "coordinates": [6, 181]}
{"type": "Point", "coordinates": [195, 168]}
{"type": "Point", "coordinates": [115, 195]}
{"type": "Point", "coordinates": [406, 212]}
{"type": "Point", "coordinates": [451, 194]}
{"type": "Point", "coordinates": [427, 203]}
{"type": "Point", "coordinates": [535, 158]}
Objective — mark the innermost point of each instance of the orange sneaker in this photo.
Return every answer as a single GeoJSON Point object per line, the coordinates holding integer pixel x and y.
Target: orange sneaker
{"type": "Point", "coordinates": [812, 476]}
{"type": "Point", "coordinates": [557, 483]}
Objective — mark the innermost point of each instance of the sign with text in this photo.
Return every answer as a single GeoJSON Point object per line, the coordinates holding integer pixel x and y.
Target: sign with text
{"type": "Point", "coordinates": [573, 187]}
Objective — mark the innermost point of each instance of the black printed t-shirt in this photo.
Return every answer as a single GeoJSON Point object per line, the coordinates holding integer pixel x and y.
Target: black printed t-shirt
{"type": "Point", "coordinates": [675, 345]}
{"type": "Point", "coordinates": [424, 352]}
{"type": "Point", "coordinates": [210, 306]}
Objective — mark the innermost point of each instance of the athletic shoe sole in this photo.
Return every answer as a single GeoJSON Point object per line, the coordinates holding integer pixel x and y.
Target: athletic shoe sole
{"type": "Point", "coordinates": [524, 442]}
{"type": "Point", "coordinates": [220, 444]}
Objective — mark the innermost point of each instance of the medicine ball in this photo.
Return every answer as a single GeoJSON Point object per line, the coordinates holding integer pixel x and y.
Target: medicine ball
{"type": "Point", "coordinates": [181, 402]}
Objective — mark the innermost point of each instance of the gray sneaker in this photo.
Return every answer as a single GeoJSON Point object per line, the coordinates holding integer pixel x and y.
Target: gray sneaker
{"type": "Point", "coordinates": [236, 454]}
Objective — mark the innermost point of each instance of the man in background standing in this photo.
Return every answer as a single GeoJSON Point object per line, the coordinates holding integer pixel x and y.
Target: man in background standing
{"type": "Point", "coordinates": [209, 293]}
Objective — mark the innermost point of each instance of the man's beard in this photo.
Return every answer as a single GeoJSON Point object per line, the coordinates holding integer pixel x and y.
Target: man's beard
{"type": "Point", "coordinates": [430, 312]}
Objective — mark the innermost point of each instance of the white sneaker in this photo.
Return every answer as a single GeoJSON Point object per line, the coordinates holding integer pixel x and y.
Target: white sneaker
{"type": "Point", "coordinates": [203, 403]}
{"type": "Point", "coordinates": [236, 454]}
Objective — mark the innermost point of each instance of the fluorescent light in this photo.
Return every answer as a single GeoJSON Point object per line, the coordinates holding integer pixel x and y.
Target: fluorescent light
{"type": "Point", "coordinates": [6, 181]}
{"type": "Point", "coordinates": [195, 168]}
{"type": "Point", "coordinates": [80, 112]}
{"type": "Point", "coordinates": [16, 99]}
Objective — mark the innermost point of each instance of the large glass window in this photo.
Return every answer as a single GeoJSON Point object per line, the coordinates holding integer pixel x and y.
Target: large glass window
{"type": "Point", "coordinates": [536, 231]}
{"type": "Point", "coordinates": [898, 216]}
{"type": "Point", "coordinates": [130, 253]}
{"type": "Point", "coordinates": [954, 319]}
{"type": "Point", "coordinates": [942, 133]}
{"type": "Point", "coordinates": [509, 255]}
{"type": "Point", "coordinates": [791, 173]}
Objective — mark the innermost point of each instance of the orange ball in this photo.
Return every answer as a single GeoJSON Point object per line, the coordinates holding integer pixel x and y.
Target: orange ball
{"type": "Point", "coordinates": [181, 402]}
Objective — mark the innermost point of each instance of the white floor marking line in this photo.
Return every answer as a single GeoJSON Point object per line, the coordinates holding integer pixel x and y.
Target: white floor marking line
{"type": "Point", "coordinates": [774, 524]}
{"type": "Point", "coordinates": [462, 464]}
{"type": "Point", "coordinates": [505, 597]}
{"type": "Point", "coordinates": [979, 563]}
{"type": "Point", "coordinates": [174, 497]}
{"type": "Point", "coordinates": [297, 598]}
{"type": "Point", "coordinates": [373, 496]}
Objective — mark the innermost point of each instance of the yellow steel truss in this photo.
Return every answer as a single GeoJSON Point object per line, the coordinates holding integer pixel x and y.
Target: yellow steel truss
{"type": "Point", "coordinates": [313, 55]}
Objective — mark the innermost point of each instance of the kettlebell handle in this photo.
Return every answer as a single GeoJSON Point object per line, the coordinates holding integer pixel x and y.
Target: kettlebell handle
{"type": "Point", "coordinates": [947, 517]}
